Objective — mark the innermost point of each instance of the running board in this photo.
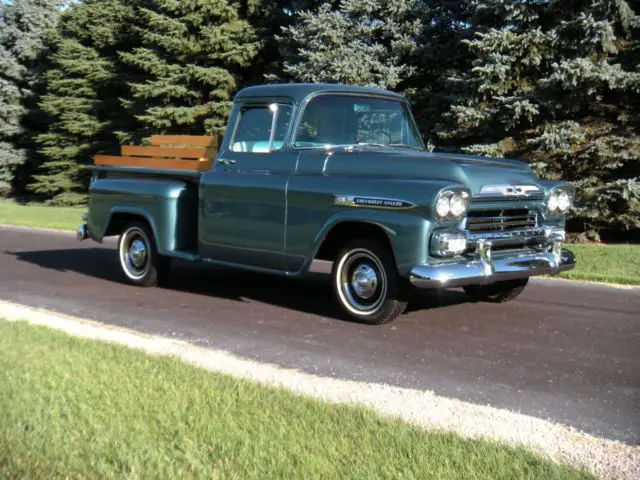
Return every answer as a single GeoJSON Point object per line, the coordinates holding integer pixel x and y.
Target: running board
{"type": "Point", "coordinates": [191, 256]}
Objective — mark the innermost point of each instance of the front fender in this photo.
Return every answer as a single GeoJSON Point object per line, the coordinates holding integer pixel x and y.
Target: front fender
{"type": "Point", "coordinates": [407, 234]}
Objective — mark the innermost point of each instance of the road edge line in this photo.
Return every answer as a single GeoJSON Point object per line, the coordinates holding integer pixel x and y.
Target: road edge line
{"type": "Point", "coordinates": [58, 231]}
{"type": "Point", "coordinates": [602, 457]}
{"type": "Point", "coordinates": [619, 286]}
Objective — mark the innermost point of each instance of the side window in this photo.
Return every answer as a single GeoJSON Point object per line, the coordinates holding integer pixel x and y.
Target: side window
{"type": "Point", "coordinates": [256, 129]}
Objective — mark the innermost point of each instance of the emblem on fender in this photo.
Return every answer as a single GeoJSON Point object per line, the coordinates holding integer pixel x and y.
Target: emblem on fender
{"type": "Point", "coordinates": [372, 202]}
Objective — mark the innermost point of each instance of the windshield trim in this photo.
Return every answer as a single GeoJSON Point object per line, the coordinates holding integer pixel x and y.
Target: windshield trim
{"type": "Point", "coordinates": [305, 103]}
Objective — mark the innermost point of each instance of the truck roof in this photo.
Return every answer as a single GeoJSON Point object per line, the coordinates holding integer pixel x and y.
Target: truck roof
{"type": "Point", "coordinates": [299, 91]}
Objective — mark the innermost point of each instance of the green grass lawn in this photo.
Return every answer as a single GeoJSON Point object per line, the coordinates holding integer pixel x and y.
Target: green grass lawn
{"type": "Point", "coordinates": [611, 263]}
{"type": "Point", "coordinates": [37, 215]}
{"type": "Point", "coordinates": [606, 263]}
{"type": "Point", "coordinates": [75, 408]}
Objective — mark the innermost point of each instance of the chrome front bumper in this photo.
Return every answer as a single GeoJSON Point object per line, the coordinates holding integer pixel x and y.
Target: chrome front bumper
{"type": "Point", "coordinates": [487, 267]}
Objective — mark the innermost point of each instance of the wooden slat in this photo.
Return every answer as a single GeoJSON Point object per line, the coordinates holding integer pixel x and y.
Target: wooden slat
{"type": "Point", "coordinates": [134, 150]}
{"type": "Point", "coordinates": [191, 140]}
{"type": "Point", "coordinates": [153, 162]}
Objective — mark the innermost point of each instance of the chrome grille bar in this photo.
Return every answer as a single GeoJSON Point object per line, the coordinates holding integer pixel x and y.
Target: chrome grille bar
{"type": "Point", "coordinates": [500, 220]}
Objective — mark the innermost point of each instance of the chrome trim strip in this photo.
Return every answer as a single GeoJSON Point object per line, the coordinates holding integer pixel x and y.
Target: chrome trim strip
{"type": "Point", "coordinates": [523, 234]}
{"type": "Point", "coordinates": [487, 267]}
{"type": "Point", "coordinates": [506, 235]}
{"type": "Point", "coordinates": [372, 202]}
{"type": "Point", "coordinates": [274, 120]}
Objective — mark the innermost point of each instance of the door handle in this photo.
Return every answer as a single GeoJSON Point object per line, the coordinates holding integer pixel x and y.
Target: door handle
{"type": "Point", "coordinates": [226, 161]}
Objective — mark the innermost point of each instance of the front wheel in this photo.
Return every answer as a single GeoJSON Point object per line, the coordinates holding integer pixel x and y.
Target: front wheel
{"type": "Point", "coordinates": [366, 283]}
{"type": "Point", "coordinates": [498, 292]}
{"type": "Point", "coordinates": [138, 257]}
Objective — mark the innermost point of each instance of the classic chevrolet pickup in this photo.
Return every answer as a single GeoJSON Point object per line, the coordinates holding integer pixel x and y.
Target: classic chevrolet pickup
{"type": "Point", "coordinates": [309, 172]}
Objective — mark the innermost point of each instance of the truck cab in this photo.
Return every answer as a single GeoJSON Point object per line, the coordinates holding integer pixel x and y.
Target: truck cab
{"type": "Point", "coordinates": [338, 173]}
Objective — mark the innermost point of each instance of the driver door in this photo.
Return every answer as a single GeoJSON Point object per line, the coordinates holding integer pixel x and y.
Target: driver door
{"type": "Point", "coordinates": [243, 198]}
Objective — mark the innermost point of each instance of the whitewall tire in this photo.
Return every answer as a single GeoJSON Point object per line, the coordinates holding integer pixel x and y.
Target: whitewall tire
{"type": "Point", "coordinates": [366, 284]}
{"type": "Point", "coordinates": [138, 256]}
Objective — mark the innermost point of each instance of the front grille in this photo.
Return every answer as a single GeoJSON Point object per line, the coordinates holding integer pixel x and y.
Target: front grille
{"type": "Point", "coordinates": [500, 220]}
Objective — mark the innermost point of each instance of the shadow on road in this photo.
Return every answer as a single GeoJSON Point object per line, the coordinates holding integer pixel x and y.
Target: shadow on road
{"type": "Point", "coordinates": [310, 295]}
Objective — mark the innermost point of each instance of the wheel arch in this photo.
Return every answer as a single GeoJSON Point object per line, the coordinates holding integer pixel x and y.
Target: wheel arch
{"type": "Point", "coordinates": [338, 233]}
{"type": "Point", "coordinates": [120, 217]}
{"type": "Point", "coordinates": [403, 233]}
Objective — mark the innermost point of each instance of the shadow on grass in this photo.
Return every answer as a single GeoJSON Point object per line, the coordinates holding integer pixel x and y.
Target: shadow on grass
{"type": "Point", "coordinates": [311, 294]}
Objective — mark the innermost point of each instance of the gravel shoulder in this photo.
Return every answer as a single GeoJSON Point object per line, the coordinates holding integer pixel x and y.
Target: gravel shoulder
{"type": "Point", "coordinates": [605, 458]}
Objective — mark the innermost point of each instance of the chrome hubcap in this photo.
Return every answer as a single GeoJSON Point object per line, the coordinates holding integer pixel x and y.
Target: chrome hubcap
{"type": "Point", "coordinates": [364, 281]}
{"type": "Point", "coordinates": [134, 253]}
{"type": "Point", "coordinates": [138, 253]}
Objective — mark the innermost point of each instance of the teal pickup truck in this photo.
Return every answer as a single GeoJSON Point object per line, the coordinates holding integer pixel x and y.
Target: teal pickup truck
{"type": "Point", "coordinates": [308, 172]}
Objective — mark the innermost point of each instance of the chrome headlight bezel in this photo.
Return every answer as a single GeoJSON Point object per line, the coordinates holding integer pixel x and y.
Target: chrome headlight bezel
{"type": "Point", "coordinates": [560, 200]}
{"type": "Point", "coordinates": [445, 197]}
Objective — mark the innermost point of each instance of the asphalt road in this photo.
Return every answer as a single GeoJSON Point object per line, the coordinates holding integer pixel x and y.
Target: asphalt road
{"type": "Point", "coordinates": [562, 351]}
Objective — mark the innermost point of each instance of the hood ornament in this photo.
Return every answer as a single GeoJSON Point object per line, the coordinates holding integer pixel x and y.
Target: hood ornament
{"type": "Point", "coordinates": [509, 190]}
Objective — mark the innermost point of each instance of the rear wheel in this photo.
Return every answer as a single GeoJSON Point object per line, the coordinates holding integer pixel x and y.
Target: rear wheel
{"type": "Point", "coordinates": [138, 256]}
{"type": "Point", "coordinates": [366, 283]}
{"type": "Point", "coordinates": [498, 292]}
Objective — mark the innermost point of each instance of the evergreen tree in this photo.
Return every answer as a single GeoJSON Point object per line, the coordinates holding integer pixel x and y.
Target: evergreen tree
{"type": "Point", "coordinates": [124, 70]}
{"type": "Point", "coordinates": [82, 96]}
{"type": "Point", "coordinates": [557, 84]}
{"type": "Point", "coordinates": [364, 42]}
{"type": "Point", "coordinates": [268, 17]}
{"type": "Point", "coordinates": [441, 54]}
{"type": "Point", "coordinates": [412, 46]}
{"type": "Point", "coordinates": [24, 26]}
{"type": "Point", "coordinates": [192, 55]}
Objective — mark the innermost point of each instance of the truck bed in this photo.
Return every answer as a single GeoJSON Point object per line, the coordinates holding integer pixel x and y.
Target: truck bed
{"type": "Point", "coordinates": [158, 183]}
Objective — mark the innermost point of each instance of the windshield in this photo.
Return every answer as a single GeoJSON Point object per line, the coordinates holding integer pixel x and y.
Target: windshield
{"type": "Point", "coordinates": [355, 119]}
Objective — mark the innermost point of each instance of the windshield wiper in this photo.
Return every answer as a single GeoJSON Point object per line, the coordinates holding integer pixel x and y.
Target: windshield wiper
{"type": "Point", "coordinates": [404, 145]}
{"type": "Point", "coordinates": [351, 146]}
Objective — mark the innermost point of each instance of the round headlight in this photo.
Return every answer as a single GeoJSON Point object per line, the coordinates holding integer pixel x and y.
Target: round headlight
{"type": "Point", "coordinates": [452, 203]}
{"type": "Point", "coordinates": [442, 206]}
{"type": "Point", "coordinates": [564, 202]}
{"type": "Point", "coordinates": [457, 204]}
{"type": "Point", "coordinates": [560, 201]}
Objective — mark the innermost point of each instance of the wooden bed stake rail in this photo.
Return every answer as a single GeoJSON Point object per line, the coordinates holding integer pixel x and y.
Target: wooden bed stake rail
{"type": "Point", "coordinates": [187, 140]}
{"type": "Point", "coordinates": [175, 152]}
{"type": "Point", "coordinates": [136, 151]}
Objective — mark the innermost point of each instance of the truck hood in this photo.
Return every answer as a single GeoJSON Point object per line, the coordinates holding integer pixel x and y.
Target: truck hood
{"type": "Point", "coordinates": [468, 170]}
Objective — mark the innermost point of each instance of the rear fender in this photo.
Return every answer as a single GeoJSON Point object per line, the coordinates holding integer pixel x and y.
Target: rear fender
{"type": "Point", "coordinates": [169, 207]}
